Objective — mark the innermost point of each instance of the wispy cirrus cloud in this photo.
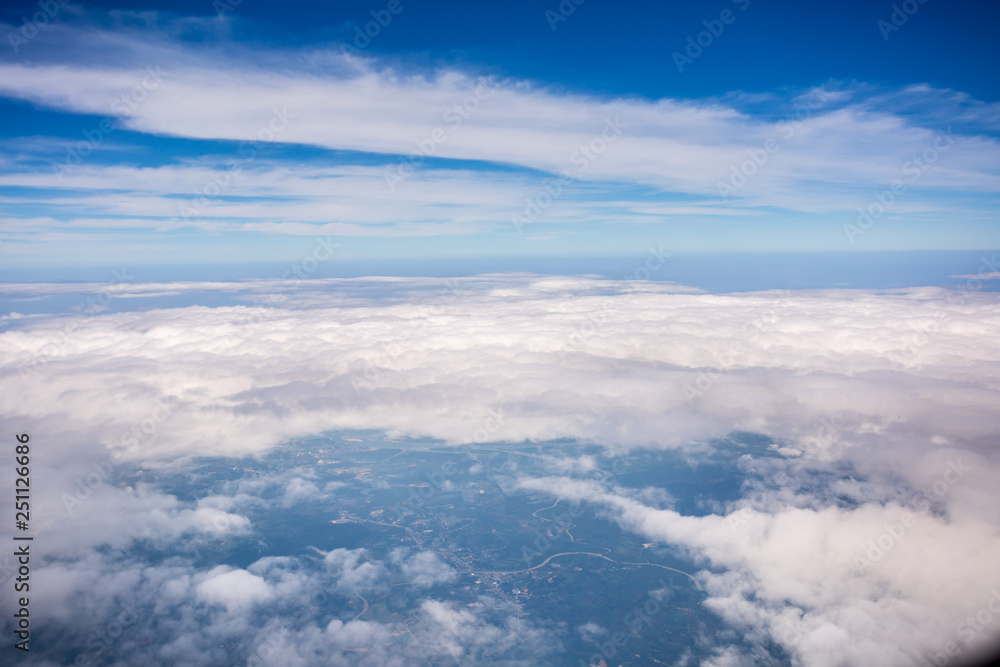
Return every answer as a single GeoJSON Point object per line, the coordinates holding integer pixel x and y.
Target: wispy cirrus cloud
{"type": "Point", "coordinates": [487, 159]}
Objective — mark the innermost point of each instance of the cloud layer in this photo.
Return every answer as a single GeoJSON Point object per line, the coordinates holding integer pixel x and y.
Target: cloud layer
{"type": "Point", "coordinates": [456, 152]}
{"type": "Point", "coordinates": [870, 525]}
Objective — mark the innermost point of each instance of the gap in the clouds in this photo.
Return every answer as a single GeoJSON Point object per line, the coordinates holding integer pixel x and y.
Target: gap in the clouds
{"type": "Point", "coordinates": [381, 498]}
{"type": "Point", "coordinates": [316, 477]}
{"type": "Point", "coordinates": [372, 490]}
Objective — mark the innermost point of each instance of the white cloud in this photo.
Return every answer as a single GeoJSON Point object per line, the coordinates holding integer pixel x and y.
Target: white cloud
{"type": "Point", "coordinates": [300, 490]}
{"type": "Point", "coordinates": [237, 590]}
{"type": "Point", "coordinates": [833, 586]}
{"type": "Point", "coordinates": [424, 568]}
{"type": "Point", "coordinates": [104, 607]}
{"type": "Point", "coordinates": [564, 357]}
{"type": "Point", "coordinates": [591, 631]}
{"type": "Point", "coordinates": [855, 141]}
{"type": "Point", "coordinates": [350, 571]}
{"type": "Point", "coordinates": [840, 377]}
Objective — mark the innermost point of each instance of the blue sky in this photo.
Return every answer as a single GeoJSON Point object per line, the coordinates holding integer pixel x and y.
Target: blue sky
{"type": "Point", "coordinates": [156, 134]}
{"type": "Point", "coordinates": [649, 226]}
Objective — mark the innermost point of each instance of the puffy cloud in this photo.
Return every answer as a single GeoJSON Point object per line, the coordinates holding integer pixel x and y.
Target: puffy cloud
{"type": "Point", "coordinates": [441, 634]}
{"type": "Point", "coordinates": [642, 365]}
{"type": "Point", "coordinates": [115, 516]}
{"type": "Point", "coordinates": [424, 568]}
{"type": "Point", "coordinates": [299, 490]}
{"type": "Point", "coordinates": [591, 631]}
{"type": "Point", "coordinates": [237, 590]}
{"type": "Point", "coordinates": [105, 607]}
{"type": "Point", "coordinates": [350, 571]}
{"type": "Point", "coordinates": [877, 582]}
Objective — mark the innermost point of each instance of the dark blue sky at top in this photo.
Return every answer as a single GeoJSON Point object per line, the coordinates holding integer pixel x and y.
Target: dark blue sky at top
{"type": "Point", "coordinates": [626, 47]}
